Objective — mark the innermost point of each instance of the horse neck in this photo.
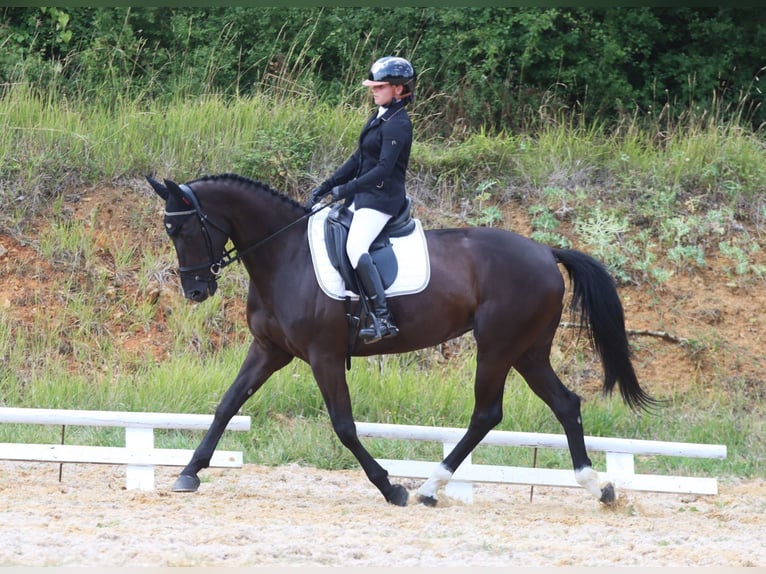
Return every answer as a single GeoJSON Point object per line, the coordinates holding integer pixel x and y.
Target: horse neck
{"type": "Point", "coordinates": [254, 213]}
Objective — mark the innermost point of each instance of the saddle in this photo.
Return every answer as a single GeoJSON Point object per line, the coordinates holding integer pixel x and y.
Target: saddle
{"type": "Point", "coordinates": [381, 250]}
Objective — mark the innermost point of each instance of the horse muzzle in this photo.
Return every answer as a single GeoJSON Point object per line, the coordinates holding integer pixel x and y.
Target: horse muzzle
{"type": "Point", "coordinates": [198, 288]}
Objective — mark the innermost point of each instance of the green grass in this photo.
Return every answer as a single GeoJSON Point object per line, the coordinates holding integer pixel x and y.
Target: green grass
{"type": "Point", "coordinates": [290, 424]}
{"type": "Point", "coordinates": [652, 200]}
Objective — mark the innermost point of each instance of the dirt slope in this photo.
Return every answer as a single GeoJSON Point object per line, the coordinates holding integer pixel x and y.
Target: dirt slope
{"type": "Point", "coordinates": [696, 327]}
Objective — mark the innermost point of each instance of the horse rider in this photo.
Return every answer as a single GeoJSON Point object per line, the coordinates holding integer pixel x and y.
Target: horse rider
{"type": "Point", "coordinates": [372, 181]}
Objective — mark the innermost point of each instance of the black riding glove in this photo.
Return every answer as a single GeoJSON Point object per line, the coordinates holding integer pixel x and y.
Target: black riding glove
{"type": "Point", "coordinates": [318, 193]}
{"type": "Point", "coordinates": [337, 192]}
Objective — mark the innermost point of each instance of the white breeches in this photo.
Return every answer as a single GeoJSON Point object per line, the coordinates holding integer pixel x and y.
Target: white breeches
{"type": "Point", "coordinates": [365, 227]}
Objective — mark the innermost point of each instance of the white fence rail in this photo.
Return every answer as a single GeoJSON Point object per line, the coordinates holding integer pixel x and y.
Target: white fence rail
{"type": "Point", "coordinates": [138, 455]}
{"type": "Point", "coordinates": [620, 462]}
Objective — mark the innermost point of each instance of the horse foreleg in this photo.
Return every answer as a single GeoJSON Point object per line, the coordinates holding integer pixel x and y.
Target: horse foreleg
{"type": "Point", "coordinates": [258, 366]}
{"type": "Point", "coordinates": [336, 396]}
{"type": "Point", "coordinates": [345, 428]}
{"type": "Point", "coordinates": [566, 407]}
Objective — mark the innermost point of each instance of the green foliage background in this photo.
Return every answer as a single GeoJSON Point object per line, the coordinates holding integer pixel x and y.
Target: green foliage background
{"type": "Point", "coordinates": [492, 67]}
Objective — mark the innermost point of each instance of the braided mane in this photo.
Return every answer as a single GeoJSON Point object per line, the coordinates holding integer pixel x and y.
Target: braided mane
{"type": "Point", "coordinates": [254, 184]}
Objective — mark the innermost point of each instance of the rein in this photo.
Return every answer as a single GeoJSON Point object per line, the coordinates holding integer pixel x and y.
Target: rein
{"type": "Point", "coordinates": [228, 258]}
{"type": "Point", "coordinates": [230, 255]}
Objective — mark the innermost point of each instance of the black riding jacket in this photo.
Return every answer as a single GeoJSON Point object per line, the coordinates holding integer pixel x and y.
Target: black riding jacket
{"type": "Point", "coordinates": [374, 175]}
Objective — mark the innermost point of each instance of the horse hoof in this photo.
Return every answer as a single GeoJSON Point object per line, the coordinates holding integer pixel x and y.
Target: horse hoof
{"type": "Point", "coordinates": [186, 483]}
{"type": "Point", "coordinates": [398, 495]}
{"type": "Point", "coordinates": [427, 500]}
{"type": "Point", "coordinates": [607, 494]}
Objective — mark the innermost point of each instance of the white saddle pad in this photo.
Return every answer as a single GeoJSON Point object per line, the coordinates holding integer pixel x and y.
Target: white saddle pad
{"type": "Point", "coordinates": [411, 253]}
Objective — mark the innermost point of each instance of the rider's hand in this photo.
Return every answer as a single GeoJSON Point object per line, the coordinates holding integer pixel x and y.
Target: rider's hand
{"type": "Point", "coordinates": [317, 193]}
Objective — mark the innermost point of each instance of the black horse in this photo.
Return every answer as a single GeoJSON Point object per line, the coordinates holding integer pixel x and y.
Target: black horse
{"type": "Point", "coordinates": [505, 288]}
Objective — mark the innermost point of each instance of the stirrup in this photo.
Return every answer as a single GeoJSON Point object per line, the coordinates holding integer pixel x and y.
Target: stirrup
{"type": "Point", "coordinates": [388, 329]}
{"type": "Point", "coordinates": [372, 333]}
{"type": "Point", "coordinates": [380, 328]}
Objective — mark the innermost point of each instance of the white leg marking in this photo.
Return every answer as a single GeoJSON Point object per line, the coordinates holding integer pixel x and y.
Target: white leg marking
{"type": "Point", "coordinates": [438, 479]}
{"type": "Point", "coordinates": [588, 479]}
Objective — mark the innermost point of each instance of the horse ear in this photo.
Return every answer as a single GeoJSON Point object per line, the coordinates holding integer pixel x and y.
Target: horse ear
{"type": "Point", "coordinates": [175, 190]}
{"type": "Point", "coordinates": [161, 190]}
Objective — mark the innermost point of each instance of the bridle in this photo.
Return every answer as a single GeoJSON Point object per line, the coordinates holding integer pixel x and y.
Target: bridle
{"type": "Point", "coordinates": [215, 266]}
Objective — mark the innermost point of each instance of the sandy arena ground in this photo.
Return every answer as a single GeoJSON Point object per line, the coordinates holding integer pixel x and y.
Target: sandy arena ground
{"type": "Point", "coordinates": [295, 516]}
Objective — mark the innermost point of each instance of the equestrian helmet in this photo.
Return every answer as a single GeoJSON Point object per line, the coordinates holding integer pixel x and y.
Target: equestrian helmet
{"type": "Point", "coordinates": [392, 70]}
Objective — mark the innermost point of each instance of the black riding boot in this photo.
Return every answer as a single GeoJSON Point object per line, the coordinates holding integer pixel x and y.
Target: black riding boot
{"type": "Point", "coordinates": [382, 322]}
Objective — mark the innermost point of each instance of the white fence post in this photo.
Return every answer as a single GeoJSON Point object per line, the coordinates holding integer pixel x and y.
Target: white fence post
{"type": "Point", "coordinates": [138, 455]}
{"type": "Point", "coordinates": [458, 489]}
{"type": "Point", "coordinates": [139, 476]}
{"type": "Point", "coordinates": [620, 464]}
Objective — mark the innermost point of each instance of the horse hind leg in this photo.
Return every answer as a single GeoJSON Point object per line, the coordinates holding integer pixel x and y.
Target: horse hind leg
{"type": "Point", "coordinates": [491, 371]}
{"type": "Point", "coordinates": [541, 378]}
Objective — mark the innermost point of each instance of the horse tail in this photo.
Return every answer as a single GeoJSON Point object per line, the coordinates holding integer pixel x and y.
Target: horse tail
{"type": "Point", "coordinates": [601, 316]}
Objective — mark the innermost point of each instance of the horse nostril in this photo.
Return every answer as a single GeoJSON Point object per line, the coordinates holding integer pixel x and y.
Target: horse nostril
{"type": "Point", "coordinates": [192, 294]}
{"type": "Point", "coordinates": [198, 291]}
